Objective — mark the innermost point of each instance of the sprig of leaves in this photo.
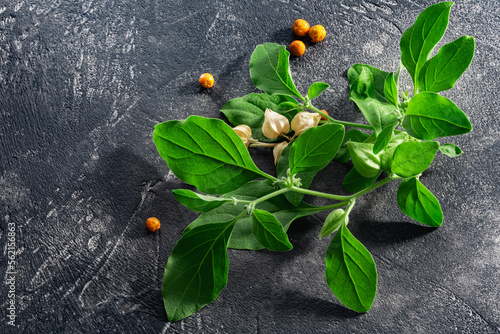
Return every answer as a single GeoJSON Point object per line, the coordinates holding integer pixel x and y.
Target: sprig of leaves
{"type": "Point", "coordinates": [255, 209]}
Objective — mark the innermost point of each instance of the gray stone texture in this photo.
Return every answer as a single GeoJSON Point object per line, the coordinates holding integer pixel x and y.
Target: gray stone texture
{"type": "Point", "coordinates": [82, 84]}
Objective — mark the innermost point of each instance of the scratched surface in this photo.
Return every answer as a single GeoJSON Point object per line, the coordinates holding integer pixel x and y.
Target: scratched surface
{"type": "Point", "coordinates": [82, 84]}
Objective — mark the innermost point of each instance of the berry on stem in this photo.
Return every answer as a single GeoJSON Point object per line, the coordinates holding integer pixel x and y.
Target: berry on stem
{"type": "Point", "coordinates": [323, 118]}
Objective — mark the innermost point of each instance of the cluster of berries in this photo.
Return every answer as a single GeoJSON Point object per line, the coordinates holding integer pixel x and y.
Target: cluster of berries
{"type": "Point", "coordinates": [301, 28]}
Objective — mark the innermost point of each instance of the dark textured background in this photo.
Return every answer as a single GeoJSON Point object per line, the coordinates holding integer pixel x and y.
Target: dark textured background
{"type": "Point", "coordinates": [82, 84]}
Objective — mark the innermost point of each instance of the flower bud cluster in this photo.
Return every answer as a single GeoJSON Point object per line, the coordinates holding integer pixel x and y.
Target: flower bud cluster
{"type": "Point", "coordinates": [276, 125]}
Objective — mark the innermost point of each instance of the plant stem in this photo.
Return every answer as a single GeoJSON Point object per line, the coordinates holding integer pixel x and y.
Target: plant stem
{"type": "Point", "coordinates": [320, 194]}
{"type": "Point", "coordinates": [261, 144]}
{"type": "Point", "coordinates": [271, 195]}
{"type": "Point", "coordinates": [350, 205]}
{"type": "Point", "coordinates": [333, 206]}
{"type": "Point", "coordinates": [252, 204]}
{"type": "Point", "coordinates": [375, 186]}
{"type": "Point", "coordinates": [345, 200]}
{"type": "Point", "coordinates": [354, 125]}
{"type": "Point", "coordinates": [341, 197]}
{"type": "Point", "coordinates": [240, 215]}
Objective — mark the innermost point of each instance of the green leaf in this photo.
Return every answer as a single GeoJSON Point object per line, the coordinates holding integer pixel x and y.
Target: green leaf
{"type": "Point", "coordinates": [450, 150]}
{"type": "Point", "coordinates": [250, 109]}
{"type": "Point", "coordinates": [371, 138]}
{"type": "Point", "coordinates": [364, 160]}
{"type": "Point", "coordinates": [416, 201]}
{"type": "Point", "coordinates": [374, 107]}
{"type": "Point", "coordinates": [270, 70]}
{"type": "Point", "coordinates": [242, 236]}
{"type": "Point", "coordinates": [315, 148]}
{"type": "Point", "coordinates": [430, 116]}
{"type": "Point", "coordinates": [418, 41]}
{"type": "Point", "coordinates": [442, 71]}
{"type": "Point", "coordinates": [351, 135]}
{"type": "Point", "coordinates": [332, 222]}
{"type": "Point", "coordinates": [351, 273]}
{"type": "Point", "coordinates": [316, 89]}
{"type": "Point", "coordinates": [412, 158]}
{"type": "Point", "coordinates": [391, 88]}
{"type": "Point", "coordinates": [387, 153]}
{"type": "Point", "coordinates": [197, 269]}
{"type": "Point", "coordinates": [306, 178]}
{"type": "Point", "coordinates": [206, 153]}
{"type": "Point", "coordinates": [378, 78]}
{"type": "Point", "coordinates": [288, 108]}
{"type": "Point", "coordinates": [269, 232]}
{"type": "Point", "coordinates": [197, 202]}
{"type": "Point", "coordinates": [287, 104]}
{"type": "Point", "coordinates": [383, 138]}
{"type": "Point", "coordinates": [355, 182]}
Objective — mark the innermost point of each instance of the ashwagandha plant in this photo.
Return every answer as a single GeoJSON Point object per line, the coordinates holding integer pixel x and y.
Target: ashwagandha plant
{"type": "Point", "coordinates": [255, 209]}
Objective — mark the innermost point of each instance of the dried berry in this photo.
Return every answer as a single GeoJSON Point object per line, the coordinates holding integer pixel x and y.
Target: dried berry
{"type": "Point", "coordinates": [206, 80]}
{"type": "Point", "coordinates": [297, 48]}
{"type": "Point", "coordinates": [317, 33]}
{"type": "Point", "coordinates": [323, 118]}
{"type": "Point", "coordinates": [153, 224]}
{"type": "Point", "coordinates": [300, 27]}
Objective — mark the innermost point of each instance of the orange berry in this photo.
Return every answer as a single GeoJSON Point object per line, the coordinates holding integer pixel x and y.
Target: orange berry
{"type": "Point", "coordinates": [317, 33]}
{"type": "Point", "coordinates": [300, 27]}
{"type": "Point", "coordinates": [297, 48]}
{"type": "Point", "coordinates": [323, 118]}
{"type": "Point", "coordinates": [153, 224]}
{"type": "Point", "coordinates": [206, 80]}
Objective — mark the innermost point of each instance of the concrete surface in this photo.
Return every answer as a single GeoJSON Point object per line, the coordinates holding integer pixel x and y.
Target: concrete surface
{"type": "Point", "coordinates": [82, 84]}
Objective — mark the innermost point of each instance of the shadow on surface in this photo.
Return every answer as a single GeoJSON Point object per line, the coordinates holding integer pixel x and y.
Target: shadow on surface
{"type": "Point", "coordinates": [285, 36]}
{"type": "Point", "coordinates": [293, 300]}
{"type": "Point", "coordinates": [118, 179]}
{"type": "Point", "coordinates": [129, 190]}
{"type": "Point", "coordinates": [389, 232]}
{"type": "Point", "coordinates": [301, 233]}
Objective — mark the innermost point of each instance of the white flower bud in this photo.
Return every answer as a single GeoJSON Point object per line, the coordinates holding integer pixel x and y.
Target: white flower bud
{"type": "Point", "coordinates": [245, 133]}
{"type": "Point", "coordinates": [277, 150]}
{"type": "Point", "coordinates": [303, 121]}
{"type": "Point", "coordinates": [274, 124]}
